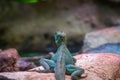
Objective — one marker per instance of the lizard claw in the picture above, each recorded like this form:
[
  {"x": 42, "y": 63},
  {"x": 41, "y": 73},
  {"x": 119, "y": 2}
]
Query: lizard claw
[
  {"x": 37, "y": 69},
  {"x": 83, "y": 75}
]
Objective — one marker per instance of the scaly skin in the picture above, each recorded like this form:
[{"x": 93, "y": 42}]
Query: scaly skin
[
  {"x": 60, "y": 65},
  {"x": 61, "y": 62}
]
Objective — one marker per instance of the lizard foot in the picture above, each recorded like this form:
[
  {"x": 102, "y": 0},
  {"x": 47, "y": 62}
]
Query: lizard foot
[
  {"x": 36, "y": 69},
  {"x": 79, "y": 77},
  {"x": 39, "y": 69},
  {"x": 75, "y": 78}
]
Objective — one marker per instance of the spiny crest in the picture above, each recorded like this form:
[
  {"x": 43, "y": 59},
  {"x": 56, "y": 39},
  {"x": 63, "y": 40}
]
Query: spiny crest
[{"x": 61, "y": 33}]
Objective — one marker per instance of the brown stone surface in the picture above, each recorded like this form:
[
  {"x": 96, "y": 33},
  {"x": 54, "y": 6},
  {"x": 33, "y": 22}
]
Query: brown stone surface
[
  {"x": 31, "y": 76},
  {"x": 105, "y": 66},
  {"x": 97, "y": 67},
  {"x": 5, "y": 78},
  {"x": 8, "y": 59}
]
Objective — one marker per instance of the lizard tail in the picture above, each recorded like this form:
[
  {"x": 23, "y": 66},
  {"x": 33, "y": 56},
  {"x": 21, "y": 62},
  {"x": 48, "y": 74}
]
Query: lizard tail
[{"x": 60, "y": 66}]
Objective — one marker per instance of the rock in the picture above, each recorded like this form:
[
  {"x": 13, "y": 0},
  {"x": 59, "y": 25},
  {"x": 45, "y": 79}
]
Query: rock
[
  {"x": 11, "y": 61},
  {"x": 105, "y": 66},
  {"x": 103, "y": 41},
  {"x": 5, "y": 78},
  {"x": 30, "y": 76},
  {"x": 25, "y": 65},
  {"x": 8, "y": 59}
]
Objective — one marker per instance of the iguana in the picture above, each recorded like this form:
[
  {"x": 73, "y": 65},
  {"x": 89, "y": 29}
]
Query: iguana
[{"x": 61, "y": 62}]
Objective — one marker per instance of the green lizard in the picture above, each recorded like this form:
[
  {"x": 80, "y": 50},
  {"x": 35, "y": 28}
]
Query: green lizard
[{"x": 61, "y": 62}]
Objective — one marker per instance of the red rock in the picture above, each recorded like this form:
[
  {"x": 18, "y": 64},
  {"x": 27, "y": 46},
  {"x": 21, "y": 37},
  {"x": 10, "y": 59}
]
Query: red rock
[
  {"x": 30, "y": 76},
  {"x": 105, "y": 66},
  {"x": 8, "y": 59},
  {"x": 10, "y": 53}
]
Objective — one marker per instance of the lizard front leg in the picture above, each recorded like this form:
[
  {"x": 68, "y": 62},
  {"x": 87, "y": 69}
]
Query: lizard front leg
[{"x": 47, "y": 64}]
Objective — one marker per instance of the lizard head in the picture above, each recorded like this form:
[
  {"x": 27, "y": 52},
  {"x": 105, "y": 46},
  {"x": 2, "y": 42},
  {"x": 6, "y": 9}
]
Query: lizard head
[{"x": 59, "y": 38}]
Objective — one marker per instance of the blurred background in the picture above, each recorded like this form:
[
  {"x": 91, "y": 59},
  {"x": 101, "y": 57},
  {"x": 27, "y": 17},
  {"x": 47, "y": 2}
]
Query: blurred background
[{"x": 29, "y": 27}]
